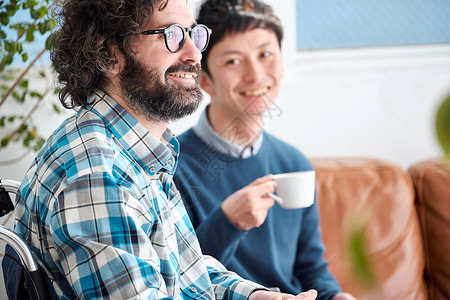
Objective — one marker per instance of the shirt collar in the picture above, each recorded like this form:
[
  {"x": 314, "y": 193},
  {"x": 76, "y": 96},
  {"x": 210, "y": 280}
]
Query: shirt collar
[
  {"x": 152, "y": 154},
  {"x": 206, "y": 133}
]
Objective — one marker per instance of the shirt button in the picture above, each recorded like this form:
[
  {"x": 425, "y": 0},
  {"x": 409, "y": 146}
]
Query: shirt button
[
  {"x": 193, "y": 289},
  {"x": 152, "y": 169},
  {"x": 169, "y": 162}
]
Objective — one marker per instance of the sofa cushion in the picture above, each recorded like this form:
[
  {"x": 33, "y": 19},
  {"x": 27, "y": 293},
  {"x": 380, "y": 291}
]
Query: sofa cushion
[
  {"x": 378, "y": 197},
  {"x": 432, "y": 182}
]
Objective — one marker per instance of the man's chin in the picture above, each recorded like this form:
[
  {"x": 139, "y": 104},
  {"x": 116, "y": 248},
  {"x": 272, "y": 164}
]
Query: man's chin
[{"x": 188, "y": 109}]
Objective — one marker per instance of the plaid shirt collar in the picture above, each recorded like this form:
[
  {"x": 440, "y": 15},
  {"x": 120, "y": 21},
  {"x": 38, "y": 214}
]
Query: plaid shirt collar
[{"x": 153, "y": 155}]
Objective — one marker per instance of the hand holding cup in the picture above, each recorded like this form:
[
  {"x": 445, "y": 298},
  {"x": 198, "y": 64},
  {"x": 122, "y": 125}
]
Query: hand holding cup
[{"x": 294, "y": 189}]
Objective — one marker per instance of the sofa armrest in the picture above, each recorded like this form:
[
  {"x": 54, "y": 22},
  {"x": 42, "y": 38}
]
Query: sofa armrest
[
  {"x": 432, "y": 183},
  {"x": 378, "y": 196}
]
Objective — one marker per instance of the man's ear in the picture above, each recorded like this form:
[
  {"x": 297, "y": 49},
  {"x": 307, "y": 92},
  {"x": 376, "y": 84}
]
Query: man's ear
[
  {"x": 206, "y": 83},
  {"x": 118, "y": 66}
]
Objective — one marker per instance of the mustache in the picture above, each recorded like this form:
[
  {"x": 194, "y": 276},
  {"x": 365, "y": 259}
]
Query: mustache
[{"x": 185, "y": 67}]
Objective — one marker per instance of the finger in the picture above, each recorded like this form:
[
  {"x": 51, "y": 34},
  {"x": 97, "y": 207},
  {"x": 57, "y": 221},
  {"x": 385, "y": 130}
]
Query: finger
[
  {"x": 263, "y": 188},
  {"x": 263, "y": 179},
  {"x": 265, "y": 203},
  {"x": 312, "y": 294},
  {"x": 276, "y": 297}
]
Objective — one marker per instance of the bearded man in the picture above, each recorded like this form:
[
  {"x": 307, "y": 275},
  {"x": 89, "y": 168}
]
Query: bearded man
[{"x": 98, "y": 205}]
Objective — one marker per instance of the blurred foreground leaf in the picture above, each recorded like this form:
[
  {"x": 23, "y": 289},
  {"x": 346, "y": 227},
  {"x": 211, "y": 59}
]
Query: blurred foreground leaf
[
  {"x": 362, "y": 266},
  {"x": 443, "y": 126}
]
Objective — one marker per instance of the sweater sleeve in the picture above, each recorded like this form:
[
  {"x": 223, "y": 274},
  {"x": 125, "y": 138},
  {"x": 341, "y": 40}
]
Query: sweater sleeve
[
  {"x": 310, "y": 267},
  {"x": 218, "y": 237}
]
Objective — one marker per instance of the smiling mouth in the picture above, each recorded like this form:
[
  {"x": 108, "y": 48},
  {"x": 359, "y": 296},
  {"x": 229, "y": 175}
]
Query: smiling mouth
[
  {"x": 183, "y": 75},
  {"x": 257, "y": 92}
]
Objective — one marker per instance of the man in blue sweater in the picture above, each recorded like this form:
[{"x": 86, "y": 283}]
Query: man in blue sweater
[{"x": 226, "y": 161}]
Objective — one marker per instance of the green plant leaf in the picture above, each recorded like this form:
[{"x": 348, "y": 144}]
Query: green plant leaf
[
  {"x": 30, "y": 34},
  {"x": 56, "y": 109},
  {"x": 7, "y": 60},
  {"x": 11, "y": 47},
  {"x": 34, "y": 14},
  {"x": 443, "y": 125},
  {"x": 23, "y": 97},
  {"x": 42, "y": 11},
  {"x": 22, "y": 129},
  {"x": 40, "y": 142},
  {"x": 19, "y": 48},
  {"x": 19, "y": 27},
  {"x": 35, "y": 94},
  {"x": 49, "y": 43},
  {"x": 27, "y": 4},
  {"x": 24, "y": 84},
  {"x": 16, "y": 96},
  {"x": 52, "y": 23},
  {"x": 4, "y": 142},
  {"x": 26, "y": 142},
  {"x": 44, "y": 27},
  {"x": 4, "y": 19}
]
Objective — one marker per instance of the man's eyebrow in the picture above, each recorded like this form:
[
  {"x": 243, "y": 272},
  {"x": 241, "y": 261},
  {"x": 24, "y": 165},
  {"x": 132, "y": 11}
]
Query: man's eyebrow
[
  {"x": 165, "y": 25},
  {"x": 231, "y": 52},
  {"x": 265, "y": 44}
]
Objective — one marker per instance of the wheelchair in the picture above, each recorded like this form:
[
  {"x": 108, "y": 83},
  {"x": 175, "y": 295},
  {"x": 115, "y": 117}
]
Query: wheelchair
[{"x": 26, "y": 278}]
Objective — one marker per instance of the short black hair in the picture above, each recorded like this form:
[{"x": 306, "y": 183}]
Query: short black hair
[{"x": 235, "y": 16}]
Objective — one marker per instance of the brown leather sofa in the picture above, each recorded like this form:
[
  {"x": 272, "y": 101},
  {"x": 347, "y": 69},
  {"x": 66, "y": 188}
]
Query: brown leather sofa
[{"x": 403, "y": 218}]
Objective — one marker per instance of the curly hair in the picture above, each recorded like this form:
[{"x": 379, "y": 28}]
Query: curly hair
[
  {"x": 82, "y": 45},
  {"x": 234, "y": 16}
]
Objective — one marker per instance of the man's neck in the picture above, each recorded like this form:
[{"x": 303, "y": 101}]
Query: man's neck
[
  {"x": 240, "y": 129},
  {"x": 155, "y": 128}
]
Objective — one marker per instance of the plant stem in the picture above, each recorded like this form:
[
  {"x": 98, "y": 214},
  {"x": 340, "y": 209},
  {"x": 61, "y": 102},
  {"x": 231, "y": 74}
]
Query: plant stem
[{"x": 11, "y": 89}]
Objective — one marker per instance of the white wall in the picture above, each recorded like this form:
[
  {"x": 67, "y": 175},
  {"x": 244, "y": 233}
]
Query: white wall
[{"x": 377, "y": 102}]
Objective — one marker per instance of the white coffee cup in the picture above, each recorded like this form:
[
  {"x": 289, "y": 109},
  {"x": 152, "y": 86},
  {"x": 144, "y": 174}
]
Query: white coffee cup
[{"x": 294, "y": 189}]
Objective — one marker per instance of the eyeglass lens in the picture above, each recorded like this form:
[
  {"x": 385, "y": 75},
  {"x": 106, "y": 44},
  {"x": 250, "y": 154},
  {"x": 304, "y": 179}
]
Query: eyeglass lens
[
  {"x": 199, "y": 35},
  {"x": 175, "y": 36}
]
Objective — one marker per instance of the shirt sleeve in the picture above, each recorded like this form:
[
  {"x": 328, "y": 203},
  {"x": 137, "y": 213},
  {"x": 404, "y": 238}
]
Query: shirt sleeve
[
  {"x": 228, "y": 285},
  {"x": 102, "y": 243}
]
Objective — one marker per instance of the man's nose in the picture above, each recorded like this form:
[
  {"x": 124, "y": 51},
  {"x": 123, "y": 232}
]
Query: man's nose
[
  {"x": 254, "y": 71},
  {"x": 189, "y": 52}
]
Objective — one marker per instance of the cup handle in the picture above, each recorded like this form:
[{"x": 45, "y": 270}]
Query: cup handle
[{"x": 276, "y": 198}]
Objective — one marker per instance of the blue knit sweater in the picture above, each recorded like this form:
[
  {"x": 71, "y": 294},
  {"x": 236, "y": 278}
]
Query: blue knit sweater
[{"x": 286, "y": 251}]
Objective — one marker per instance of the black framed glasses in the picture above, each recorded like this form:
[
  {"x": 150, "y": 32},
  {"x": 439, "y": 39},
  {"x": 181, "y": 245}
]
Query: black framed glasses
[{"x": 175, "y": 36}]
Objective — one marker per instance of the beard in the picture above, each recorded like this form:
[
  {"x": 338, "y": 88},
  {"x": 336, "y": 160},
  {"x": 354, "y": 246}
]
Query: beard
[{"x": 158, "y": 101}]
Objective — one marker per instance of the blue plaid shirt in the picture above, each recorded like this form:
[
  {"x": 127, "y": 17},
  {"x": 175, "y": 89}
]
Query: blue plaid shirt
[{"x": 99, "y": 207}]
